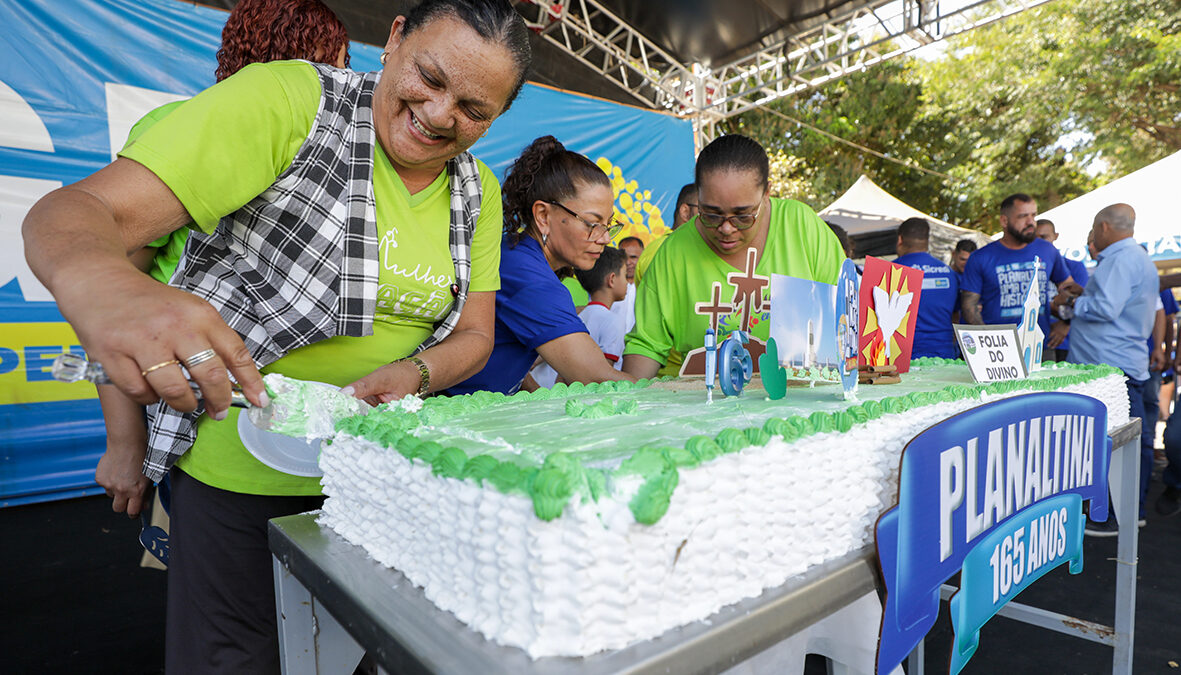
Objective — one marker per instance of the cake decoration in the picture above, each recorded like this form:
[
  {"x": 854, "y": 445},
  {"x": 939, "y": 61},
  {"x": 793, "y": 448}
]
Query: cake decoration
[{"x": 890, "y": 297}]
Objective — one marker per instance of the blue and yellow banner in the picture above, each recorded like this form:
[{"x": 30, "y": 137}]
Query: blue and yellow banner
[
  {"x": 995, "y": 492},
  {"x": 75, "y": 75}
]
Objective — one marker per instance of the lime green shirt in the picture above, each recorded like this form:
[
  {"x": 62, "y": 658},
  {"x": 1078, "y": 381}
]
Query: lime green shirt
[
  {"x": 682, "y": 273},
  {"x": 647, "y": 255},
  {"x": 227, "y": 145},
  {"x": 170, "y": 247},
  {"x": 577, "y": 293}
]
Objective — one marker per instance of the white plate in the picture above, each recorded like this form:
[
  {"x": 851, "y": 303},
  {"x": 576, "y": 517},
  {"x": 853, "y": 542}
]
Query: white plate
[{"x": 290, "y": 455}]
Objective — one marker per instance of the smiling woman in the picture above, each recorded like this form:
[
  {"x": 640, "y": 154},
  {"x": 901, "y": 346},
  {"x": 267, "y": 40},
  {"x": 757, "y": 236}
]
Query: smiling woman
[
  {"x": 293, "y": 173},
  {"x": 559, "y": 214},
  {"x": 740, "y": 235}
]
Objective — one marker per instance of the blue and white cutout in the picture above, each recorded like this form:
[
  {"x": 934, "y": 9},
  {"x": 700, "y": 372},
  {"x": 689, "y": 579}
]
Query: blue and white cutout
[{"x": 1029, "y": 333}]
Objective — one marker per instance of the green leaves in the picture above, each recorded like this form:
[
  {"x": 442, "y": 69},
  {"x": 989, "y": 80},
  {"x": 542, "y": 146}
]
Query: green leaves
[{"x": 1035, "y": 103}]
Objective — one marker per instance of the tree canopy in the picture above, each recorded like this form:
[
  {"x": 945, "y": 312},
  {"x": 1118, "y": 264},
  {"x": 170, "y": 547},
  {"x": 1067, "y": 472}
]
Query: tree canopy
[{"x": 1053, "y": 101}]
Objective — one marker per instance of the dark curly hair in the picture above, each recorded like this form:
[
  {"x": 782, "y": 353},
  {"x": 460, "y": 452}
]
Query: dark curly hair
[
  {"x": 546, "y": 171},
  {"x": 494, "y": 20},
  {"x": 258, "y": 31}
]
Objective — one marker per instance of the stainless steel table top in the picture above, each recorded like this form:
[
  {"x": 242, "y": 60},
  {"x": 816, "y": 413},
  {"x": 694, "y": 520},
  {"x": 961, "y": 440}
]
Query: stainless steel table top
[{"x": 405, "y": 632}]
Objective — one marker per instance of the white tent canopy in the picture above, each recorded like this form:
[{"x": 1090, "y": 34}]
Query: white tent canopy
[
  {"x": 1152, "y": 192},
  {"x": 871, "y": 217}
]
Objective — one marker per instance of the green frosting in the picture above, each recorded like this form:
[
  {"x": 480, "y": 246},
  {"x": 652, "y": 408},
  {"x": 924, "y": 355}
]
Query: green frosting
[
  {"x": 604, "y": 408},
  {"x": 554, "y": 478},
  {"x": 732, "y": 440}
]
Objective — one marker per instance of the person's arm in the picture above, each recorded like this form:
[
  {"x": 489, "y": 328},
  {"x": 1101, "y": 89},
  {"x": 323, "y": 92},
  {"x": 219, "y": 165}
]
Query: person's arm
[
  {"x": 970, "y": 307},
  {"x": 1156, "y": 358},
  {"x": 120, "y": 469},
  {"x": 459, "y": 356},
  {"x": 641, "y": 367},
  {"x": 77, "y": 240},
  {"x": 577, "y": 358},
  {"x": 1058, "y": 332}
]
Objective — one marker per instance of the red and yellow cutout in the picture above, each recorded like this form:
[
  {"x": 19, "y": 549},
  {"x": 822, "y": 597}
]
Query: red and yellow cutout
[{"x": 889, "y": 308}]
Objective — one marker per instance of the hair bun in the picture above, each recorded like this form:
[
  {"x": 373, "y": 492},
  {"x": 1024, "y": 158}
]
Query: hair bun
[{"x": 545, "y": 146}]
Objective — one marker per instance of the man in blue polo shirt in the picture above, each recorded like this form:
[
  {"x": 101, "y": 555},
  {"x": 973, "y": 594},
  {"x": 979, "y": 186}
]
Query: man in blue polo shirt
[
  {"x": 1113, "y": 318},
  {"x": 998, "y": 275},
  {"x": 933, "y": 335},
  {"x": 1058, "y": 339}
]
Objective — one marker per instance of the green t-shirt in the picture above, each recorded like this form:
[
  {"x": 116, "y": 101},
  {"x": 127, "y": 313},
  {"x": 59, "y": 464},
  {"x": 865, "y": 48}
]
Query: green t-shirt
[
  {"x": 227, "y": 145},
  {"x": 647, "y": 255},
  {"x": 577, "y": 293},
  {"x": 170, "y": 247},
  {"x": 684, "y": 269}
]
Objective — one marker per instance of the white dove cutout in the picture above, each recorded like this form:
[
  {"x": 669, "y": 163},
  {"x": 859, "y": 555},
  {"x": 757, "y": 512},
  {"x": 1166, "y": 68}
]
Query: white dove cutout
[{"x": 891, "y": 309}]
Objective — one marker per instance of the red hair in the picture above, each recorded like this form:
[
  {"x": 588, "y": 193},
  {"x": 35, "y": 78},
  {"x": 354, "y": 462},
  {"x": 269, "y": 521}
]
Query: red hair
[{"x": 258, "y": 31}]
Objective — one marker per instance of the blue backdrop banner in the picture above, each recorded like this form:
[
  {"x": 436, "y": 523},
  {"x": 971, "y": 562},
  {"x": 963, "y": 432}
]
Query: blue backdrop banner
[{"x": 75, "y": 75}]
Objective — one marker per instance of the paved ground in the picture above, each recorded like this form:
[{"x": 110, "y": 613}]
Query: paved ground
[{"x": 75, "y": 600}]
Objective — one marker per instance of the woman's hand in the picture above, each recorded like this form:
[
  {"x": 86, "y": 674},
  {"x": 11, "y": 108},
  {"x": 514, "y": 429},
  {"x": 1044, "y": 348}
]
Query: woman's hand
[
  {"x": 462, "y": 354},
  {"x": 577, "y": 358},
  {"x": 120, "y": 473},
  {"x": 388, "y": 383},
  {"x": 77, "y": 240},
  {"x": 134, "y": 325}
]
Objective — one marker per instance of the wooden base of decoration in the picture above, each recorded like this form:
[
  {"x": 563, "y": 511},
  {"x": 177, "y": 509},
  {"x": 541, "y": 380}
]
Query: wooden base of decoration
[{"x": 886, "y": 374}]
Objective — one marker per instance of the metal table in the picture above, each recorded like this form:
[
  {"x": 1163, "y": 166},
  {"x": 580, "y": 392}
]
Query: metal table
[{"x": 336, "y": 603}]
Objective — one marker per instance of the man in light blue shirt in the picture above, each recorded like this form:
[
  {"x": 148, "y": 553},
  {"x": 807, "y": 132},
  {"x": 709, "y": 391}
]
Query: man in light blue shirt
[{"x": 1113, "y": 318}]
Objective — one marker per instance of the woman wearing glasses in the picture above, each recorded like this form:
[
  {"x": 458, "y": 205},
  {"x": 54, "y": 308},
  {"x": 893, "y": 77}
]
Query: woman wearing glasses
[
  {"x": 558, "y": 214},
  {"x": 675, "y": 301}
]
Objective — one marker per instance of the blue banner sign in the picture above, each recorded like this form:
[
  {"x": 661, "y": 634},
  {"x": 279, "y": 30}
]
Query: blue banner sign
[
  {"x": 75, "y": 75},
  {"x": 996, "y": 492}
]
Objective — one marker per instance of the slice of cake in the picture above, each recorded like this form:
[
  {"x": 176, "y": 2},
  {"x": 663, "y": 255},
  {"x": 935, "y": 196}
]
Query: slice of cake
[{"x": 584, "y": 518}]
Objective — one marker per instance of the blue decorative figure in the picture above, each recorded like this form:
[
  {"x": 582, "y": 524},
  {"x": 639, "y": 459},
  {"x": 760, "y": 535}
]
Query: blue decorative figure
[
  {"x": 736, "y": 367},
  {"x": 711, "y": 363}
]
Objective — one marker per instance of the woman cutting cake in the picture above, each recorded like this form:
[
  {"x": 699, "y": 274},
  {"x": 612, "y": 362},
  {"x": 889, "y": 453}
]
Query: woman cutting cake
[
  {"x": 347, "y": 236},
  {"x": 714, "y": 272},
  {"x": 558, "y": 214}
]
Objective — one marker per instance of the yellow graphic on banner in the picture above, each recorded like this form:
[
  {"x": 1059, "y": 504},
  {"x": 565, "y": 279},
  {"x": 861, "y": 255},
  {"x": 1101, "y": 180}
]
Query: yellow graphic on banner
[
  {"x": 27, "y": 351},
  {"x": 633, "y": 207}
]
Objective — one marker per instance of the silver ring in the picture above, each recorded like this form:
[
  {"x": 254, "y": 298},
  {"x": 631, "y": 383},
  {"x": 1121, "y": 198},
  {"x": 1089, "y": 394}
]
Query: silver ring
[{"x": 199, "y": 358}]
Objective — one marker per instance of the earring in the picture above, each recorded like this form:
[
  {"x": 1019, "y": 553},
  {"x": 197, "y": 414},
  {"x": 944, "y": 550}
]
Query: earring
[
  {"x": 384, "y": 56},
  {"x": 544, "y": 238}
]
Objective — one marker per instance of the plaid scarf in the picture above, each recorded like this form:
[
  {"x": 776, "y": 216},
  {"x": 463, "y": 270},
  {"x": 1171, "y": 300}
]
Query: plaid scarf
[{"x": 299, "y": 263}]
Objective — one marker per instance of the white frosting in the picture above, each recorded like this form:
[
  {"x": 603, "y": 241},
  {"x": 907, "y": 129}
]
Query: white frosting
[{"x": 594, "y": 579}]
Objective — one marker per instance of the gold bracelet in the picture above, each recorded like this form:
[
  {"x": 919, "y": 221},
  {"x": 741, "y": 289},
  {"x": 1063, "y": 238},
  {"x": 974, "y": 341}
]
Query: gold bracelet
[{"x": 424, "y": 375}]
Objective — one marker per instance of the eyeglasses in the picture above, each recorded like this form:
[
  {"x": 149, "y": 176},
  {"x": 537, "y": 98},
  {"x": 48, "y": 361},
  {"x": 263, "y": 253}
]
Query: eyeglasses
[
  {"x": 594, "y": 230},
  {"x": 740, "y": 222}
]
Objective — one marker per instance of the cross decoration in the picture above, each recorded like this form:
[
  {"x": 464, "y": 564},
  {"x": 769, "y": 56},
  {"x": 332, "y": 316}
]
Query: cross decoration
[
  {"x": 714, "y": 309},
  {"x": 748, "y": 288}
]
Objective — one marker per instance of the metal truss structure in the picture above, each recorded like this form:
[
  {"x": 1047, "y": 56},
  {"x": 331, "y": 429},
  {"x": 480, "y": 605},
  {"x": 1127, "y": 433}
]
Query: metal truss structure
[{"x": 873, "y": 32}]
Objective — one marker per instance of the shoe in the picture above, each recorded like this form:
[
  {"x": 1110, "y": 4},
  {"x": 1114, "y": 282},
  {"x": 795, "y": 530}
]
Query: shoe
[
  {"x": 1169, "y": 503},
  {"x": 1107, "y": 528}
]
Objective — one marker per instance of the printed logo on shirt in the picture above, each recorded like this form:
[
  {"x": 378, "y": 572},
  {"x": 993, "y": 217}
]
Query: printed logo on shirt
[
  {"x": 1013, "y": 280},
  {"x": 930, "y": 283},
  {"x": 405, "y": 300}
]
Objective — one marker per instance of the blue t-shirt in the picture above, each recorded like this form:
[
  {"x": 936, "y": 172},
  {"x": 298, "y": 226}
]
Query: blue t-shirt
[
  {"x": 532, "y": 308},
  {"x": 1170, "y": 306},
  {"x": 933, "y": 335},
  {"x": 1078, "y": 272},
  {"x": 1002, "y": 276}
]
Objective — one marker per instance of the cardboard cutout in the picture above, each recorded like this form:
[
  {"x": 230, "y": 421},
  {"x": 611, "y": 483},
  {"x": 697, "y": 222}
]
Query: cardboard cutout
[{"x": 889, "y": 308}]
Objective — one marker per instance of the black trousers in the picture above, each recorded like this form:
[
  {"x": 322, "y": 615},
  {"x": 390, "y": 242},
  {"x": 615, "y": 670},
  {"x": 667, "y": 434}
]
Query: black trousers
[{"x": 221, "y": 590}]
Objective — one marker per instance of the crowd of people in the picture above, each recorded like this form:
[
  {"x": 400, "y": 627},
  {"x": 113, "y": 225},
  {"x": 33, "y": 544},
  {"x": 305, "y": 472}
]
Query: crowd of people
[
  {"x": 332, "y": 226},
  {"x": 1115, "y": 314}
]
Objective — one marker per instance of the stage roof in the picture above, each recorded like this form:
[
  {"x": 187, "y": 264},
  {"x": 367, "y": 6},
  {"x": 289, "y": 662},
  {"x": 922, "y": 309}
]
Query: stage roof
[{"x": 708, "y": 59}]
